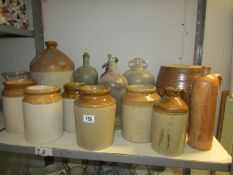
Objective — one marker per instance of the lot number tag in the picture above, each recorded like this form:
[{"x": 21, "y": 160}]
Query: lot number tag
[
  {"x": 88, "y": 118},
  {"x": 43, "y": 151}
]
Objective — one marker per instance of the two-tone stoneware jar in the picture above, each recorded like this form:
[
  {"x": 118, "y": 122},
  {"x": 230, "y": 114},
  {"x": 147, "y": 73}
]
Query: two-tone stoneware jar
[
  {"x": 169, "y": 123},
  {"x": 94, "y": 117},
  {"x": 12, "y": 96},
  {"x": 52, "y": 67},
  {"x": 137, "y": 107},
  {"x": 69, "y": 95},
  {"x": 43, "y": 113}
]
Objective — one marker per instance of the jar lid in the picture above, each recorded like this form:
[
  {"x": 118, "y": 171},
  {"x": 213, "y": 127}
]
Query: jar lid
[
  {"x": 19, "y": 82},
  {"x": 73, "y": 86},
  {"x": 141, "y": 88},
  {"x": 94, "y": 90},
  {"x": 41, "y": 89}
]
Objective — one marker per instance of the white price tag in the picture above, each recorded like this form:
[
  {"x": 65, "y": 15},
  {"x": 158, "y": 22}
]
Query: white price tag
[
  {"x": 88, "y": 118},
  {"x": 43, "y": 151}
]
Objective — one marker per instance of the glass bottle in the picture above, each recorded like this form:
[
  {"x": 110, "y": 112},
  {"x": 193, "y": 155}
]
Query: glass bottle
[
  {"x": 169, "y": 123},
  {"x": 138, "y": 73},
  {"x": 86, "y": 74},
  {"x": 117, "y": 83}
]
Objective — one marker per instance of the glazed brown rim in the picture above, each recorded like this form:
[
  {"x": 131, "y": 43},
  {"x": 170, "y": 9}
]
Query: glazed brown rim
[
  {"x": 41, "y": 89},
  {"x": 73, "y": 86},
  {"x": 94, "y": 90},
  {"x": 19, "y": 82},
  {"x": 184, "y": 66},
  {"x": 141, "y": 88}
]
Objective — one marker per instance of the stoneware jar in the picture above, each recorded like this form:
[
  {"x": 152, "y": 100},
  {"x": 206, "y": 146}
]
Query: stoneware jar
[
  {"x": 137, "y": 107},
  {"x": 43, "y": 113},
  {"x": 69, "y": 95},
  {"x": 86, "y": 73},
  {"x": 52, "y": 67},
  {"x": 203, "y": 109},
  {"x": 169, "y": 123},
  {"x": 12, "y": 96},
  {"x": 94, "y": 117},
  {"x": 117, "y": 83},
  {"x": 138, "y": 74}
]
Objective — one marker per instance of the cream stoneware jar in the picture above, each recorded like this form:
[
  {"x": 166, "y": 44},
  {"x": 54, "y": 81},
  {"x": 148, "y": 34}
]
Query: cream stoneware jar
[
  {"x": 12, "y": 96},
  {"x": 43, "y": 113},
  {"x": 94, "y": 117}
]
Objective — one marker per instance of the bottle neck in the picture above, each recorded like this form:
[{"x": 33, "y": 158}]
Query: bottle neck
[
  {"x": 206, "y": 70},
  {"x": 112, "y": 67},
  {"x": 86, "y": 61}
]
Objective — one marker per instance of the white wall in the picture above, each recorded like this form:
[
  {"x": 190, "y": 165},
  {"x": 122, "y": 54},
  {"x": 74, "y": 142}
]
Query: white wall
[
  {"x": 151, "y": 29},
  {"x": 218, "y": 38}
]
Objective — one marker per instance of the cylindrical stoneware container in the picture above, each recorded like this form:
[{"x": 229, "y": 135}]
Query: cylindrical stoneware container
[
  {"x": 178, "y": 76},
  {"x": 43, "y": 113},
  {"x": 12, "y": 96},
  {"x": 137, "y": 107},
  {"x": 94, "y": 117},
  {"x": 169, "y": 124},
  {"x": 203, "y": 109},
  {"x": 69, "y": 95}
]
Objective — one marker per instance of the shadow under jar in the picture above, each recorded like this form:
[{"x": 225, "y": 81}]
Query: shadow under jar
[
  {"x": 43, "y": 113},
  {"x": 94, "y": 117}
]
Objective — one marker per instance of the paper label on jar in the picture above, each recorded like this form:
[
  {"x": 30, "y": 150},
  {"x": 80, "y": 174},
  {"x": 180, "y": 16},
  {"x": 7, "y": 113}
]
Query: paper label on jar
[{"x": 88, "y": 118}]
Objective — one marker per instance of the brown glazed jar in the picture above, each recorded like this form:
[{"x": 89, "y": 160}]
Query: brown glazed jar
[
  {"x": 12, "y": 96},
  {"x": 52, "y": 67},
  {"x": 94, "y": 117},
  {"x": 169, "y": 123},
  {"x": 43, "y": 113},
  {"x": 137, "y": 107},
  {"x": 203, "y": 109},
  {"x": 69, "y": 95}
]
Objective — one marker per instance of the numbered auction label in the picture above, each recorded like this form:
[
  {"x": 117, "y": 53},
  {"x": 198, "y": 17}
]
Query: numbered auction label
[
  {"x": 88, "y": 118},
  {"x": 43, "y": 151}
]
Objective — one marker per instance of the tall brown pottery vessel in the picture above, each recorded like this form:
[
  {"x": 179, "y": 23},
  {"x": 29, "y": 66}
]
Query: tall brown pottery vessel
[{"x": 203, "y": 109}]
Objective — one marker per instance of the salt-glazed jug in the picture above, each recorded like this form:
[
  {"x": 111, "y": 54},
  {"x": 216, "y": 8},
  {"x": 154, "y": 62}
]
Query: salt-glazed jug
[
  {"x": 117, "y": 83},
  {"x": 86, "y": 73},
  {"x": 137, "y": 107},
  {"x": 12, "y": 101},
  {"x": 43, "y": 113},
  {"x": 71, "y": 92},
  {"x": 52, "y": 67},
  {"x": 138, "y": 74},
  {"x": 94, "y": 117},
  {"x": 169, "y": 123},
  {"x": 203, "y": 109}
]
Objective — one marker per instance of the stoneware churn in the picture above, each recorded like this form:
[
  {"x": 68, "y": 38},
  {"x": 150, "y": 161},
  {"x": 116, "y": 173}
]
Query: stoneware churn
[
  {"x": 52, "y": 67},
  {"x": 86, "y": 73},
  {"x": 43, "y": 113},
  {"x": 117, "y": 83},
  {"x": 138, "y": 74},
  {"x": 12, "y": 96},
  {"x": 169, "y": 123},
  {"x": 69, "y": 95},
  {"x": 137, "y": 107},
  {"x": 203, "y": 109},
  {"x": 94, "y": 117}
]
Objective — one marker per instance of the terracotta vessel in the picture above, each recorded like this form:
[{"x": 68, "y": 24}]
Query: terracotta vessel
[
  {"x": 94, "y": 117},
  {"x": 169, "y": 124},
  {"x": 138, "y": 73},
  {"x": 117, "y": 83},
  {"x": 203, "y": 109},
  {"x": 86, "y": 74},
  {"x": 52, "y": 67},
  {"x": 137, "y": 107},
  {"x": 177, "y": 76},
  {"x": 43, "y": 113},
  {"x": 69, "y": 95},
  {"x": 12, "y": 96}
]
